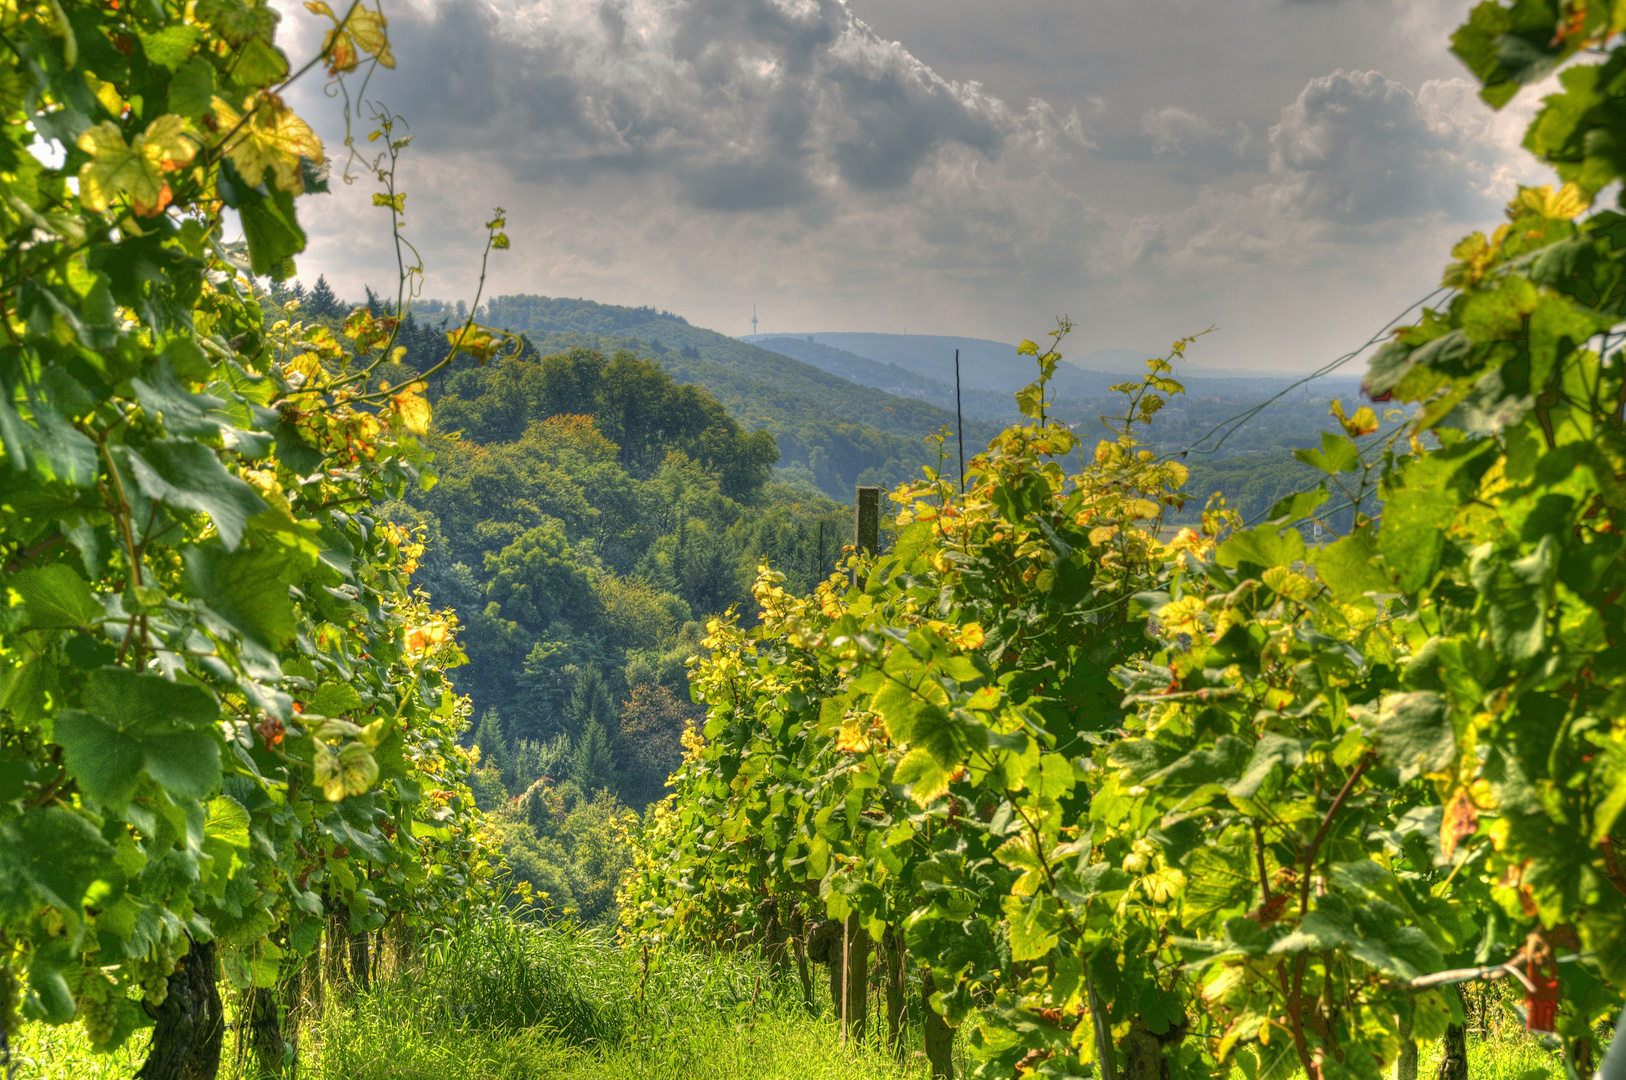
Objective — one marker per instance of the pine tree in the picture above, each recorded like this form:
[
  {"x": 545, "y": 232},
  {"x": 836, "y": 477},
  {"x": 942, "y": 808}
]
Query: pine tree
[
  {"x": 323, "y": 304},
  {"x": 590, "y": 766},
  {"x": 493, "y": 747},
  {"x": 590, "y": 701}
]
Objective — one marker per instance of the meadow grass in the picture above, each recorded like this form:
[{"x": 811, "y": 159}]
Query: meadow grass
[{"x": 506, "y": 1000}]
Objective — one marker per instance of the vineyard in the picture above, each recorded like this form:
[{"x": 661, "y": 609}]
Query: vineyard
[
  {"x": 1049, "y": 786},
  {"x": 1141, "y": 808}
]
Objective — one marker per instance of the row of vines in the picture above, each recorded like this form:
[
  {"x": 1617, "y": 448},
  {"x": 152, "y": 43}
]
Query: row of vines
[
  {"x": 1143, "y": 805},
  {"x": 224, "y": 715}
]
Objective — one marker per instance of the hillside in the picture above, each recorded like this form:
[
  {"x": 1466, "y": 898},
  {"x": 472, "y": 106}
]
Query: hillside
[
  {"x": 903, "y": 360},
  {"x": 984, "y": 365},
  {"x": 839, "y": 431}
]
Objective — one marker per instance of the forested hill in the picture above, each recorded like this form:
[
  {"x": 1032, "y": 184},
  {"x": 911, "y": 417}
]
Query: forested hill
[{"x": 840, "y": 432}]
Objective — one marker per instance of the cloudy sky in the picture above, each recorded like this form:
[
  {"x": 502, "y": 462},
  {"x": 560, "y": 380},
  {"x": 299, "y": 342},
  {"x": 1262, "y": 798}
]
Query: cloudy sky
[{"x": 1292, "y": 171}]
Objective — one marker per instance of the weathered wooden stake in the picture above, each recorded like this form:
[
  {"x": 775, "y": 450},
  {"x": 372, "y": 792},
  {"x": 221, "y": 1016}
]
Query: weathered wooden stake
[
  {"x": 938, "y": 1036},
  {"x": 854, "y": 979},
  {"x": 897, "y": 987},
  {"x": 867, "y": 525}
]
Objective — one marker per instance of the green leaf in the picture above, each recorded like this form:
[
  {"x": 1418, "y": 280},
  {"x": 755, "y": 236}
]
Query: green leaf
[
  {"x": 1558, "y": 327},
  {"x": 1348, "y": 567},
  {"x": 335, "y": 699},
  {"x": 1337, "y": 454},
  {"x": 54, "y": 596},
  {"x": 49, "y": 446},
  {"x": 923, "y": 775},
  {"x": 228, "y": 821},
  {"x": 270, "y": 224},
  {"x": 1498, "y": 314},
  {"x": 1516, "y": 593},
  {"x": 192, "y": 89},
  {"x": 140, "y": 723},
  {"x": 1204, "y": 765},
  {"x": 1263, "y": 548},
  {"x": 168, "y": 48},
  {"x": 1411, "y": 538},
  {"x": 1414, "y": 734},
  {"x": 247, "y": 588},
  {"x": 182, "y": 412},
  {"x": 1371, "y": 933},
  {"x": 1296, "y": 507},
  {"x": 1271, "y": 750},
  {"x": 936, "y": 732},
  {"x": 63, "y": 857},
  {"x": 187, "y": 474},
  {"x": 56, "y": 1003},
  {"x": 1034, "y": 922},
  {"x": 345, "y": 772}
]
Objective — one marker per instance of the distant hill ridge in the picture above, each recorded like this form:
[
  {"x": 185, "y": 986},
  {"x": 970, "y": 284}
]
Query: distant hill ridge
[
  {"x": 996, "y": 364},
  {"x": 840, "y": 431}
]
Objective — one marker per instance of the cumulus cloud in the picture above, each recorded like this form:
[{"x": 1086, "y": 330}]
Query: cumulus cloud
[
  {"x": 743, "y": 104},
  {"x": 1358, "y": 148},
  {"x": 702, "y": 154},
  {"x": 1357, "y": 157}
]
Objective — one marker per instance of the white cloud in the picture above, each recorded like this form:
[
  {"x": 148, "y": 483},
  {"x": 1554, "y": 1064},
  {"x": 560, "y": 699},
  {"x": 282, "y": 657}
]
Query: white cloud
[
  {"x": 701, "y": 154},
  {"x": 1175, "y": 131}
]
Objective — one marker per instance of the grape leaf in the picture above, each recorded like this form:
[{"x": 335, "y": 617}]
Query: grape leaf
[
  {"x": 139, "y": 723},
  {"x": 54, "y": 596},
  {"x": 187, "y": 474},
  {"x": 134, "y": 169}
]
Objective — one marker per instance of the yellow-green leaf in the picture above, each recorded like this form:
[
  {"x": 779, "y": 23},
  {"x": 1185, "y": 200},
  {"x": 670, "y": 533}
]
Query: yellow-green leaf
[{"x": 137, "y": 169}]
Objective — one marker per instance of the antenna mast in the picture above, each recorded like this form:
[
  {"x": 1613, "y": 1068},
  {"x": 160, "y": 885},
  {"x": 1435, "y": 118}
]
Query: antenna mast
[
  {"x": 959, "y": 419},
  {"x": 753, "y": 320}
]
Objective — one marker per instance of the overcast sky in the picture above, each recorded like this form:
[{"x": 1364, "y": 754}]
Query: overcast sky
[{"x": 1292, "y": 171}]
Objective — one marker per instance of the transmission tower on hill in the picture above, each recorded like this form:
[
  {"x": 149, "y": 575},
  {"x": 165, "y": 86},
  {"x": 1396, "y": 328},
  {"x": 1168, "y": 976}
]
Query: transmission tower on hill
[{"x": 753, "y": 320}]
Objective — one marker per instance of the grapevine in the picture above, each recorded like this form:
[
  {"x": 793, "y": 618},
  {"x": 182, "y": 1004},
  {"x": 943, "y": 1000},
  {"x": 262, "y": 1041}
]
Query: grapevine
[
  {"x": 1162, "y": 805},
  {"x": 224, "y": 711}
]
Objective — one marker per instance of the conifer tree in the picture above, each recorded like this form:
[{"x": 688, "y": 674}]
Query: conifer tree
[
  {"x": 590, "y": 766},
  {"x": 590, "y": 702},
  {"x": 493, "y": 747},
  {"x": 323, "y": 303}
]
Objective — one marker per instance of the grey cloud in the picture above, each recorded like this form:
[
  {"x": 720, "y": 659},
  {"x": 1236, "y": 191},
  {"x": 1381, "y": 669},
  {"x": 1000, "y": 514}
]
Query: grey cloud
[
  {"x": 1178, "y": 132},
  {"x": 703, "y": 155},
  {"x": 744, "y": 104},
  {"x": 1197, "y": 148},
  {"x": 1359, "y": 148}
]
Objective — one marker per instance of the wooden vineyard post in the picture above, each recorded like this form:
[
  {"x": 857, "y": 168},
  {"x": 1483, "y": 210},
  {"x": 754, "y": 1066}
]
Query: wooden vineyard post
[
  {"x": 854, "y": 979},
  {"x": 867, "y": 524},
  {"x": 897, "y": 987},
  {"x": 360, "y": 961},
  {"x": 938, "y": 1036},
  {"x": 797, "y": 926},
  {"x": 773, "y": 935}
]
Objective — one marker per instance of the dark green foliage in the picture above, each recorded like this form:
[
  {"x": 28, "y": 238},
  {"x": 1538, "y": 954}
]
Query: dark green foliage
[
  {"x": 633, "y": 402},
  {"x": 590, "y": 766},
  {"x": 842, "y": 433},
  {"x": 567, "y": 558},
  {"x": 322, "y": 303}
]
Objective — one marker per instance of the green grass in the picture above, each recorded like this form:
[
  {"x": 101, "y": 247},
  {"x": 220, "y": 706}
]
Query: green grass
[{"x": 508, "y": 1001}]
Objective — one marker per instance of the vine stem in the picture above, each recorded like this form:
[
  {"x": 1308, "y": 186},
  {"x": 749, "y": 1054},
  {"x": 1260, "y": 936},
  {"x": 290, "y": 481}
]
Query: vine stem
[
  {"x": 1264, "y": 877},
  {"x": 1326, "y": 824}
]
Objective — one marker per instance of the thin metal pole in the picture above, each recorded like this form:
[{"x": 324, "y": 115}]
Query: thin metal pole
[{"x": 959, "y": 419}]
